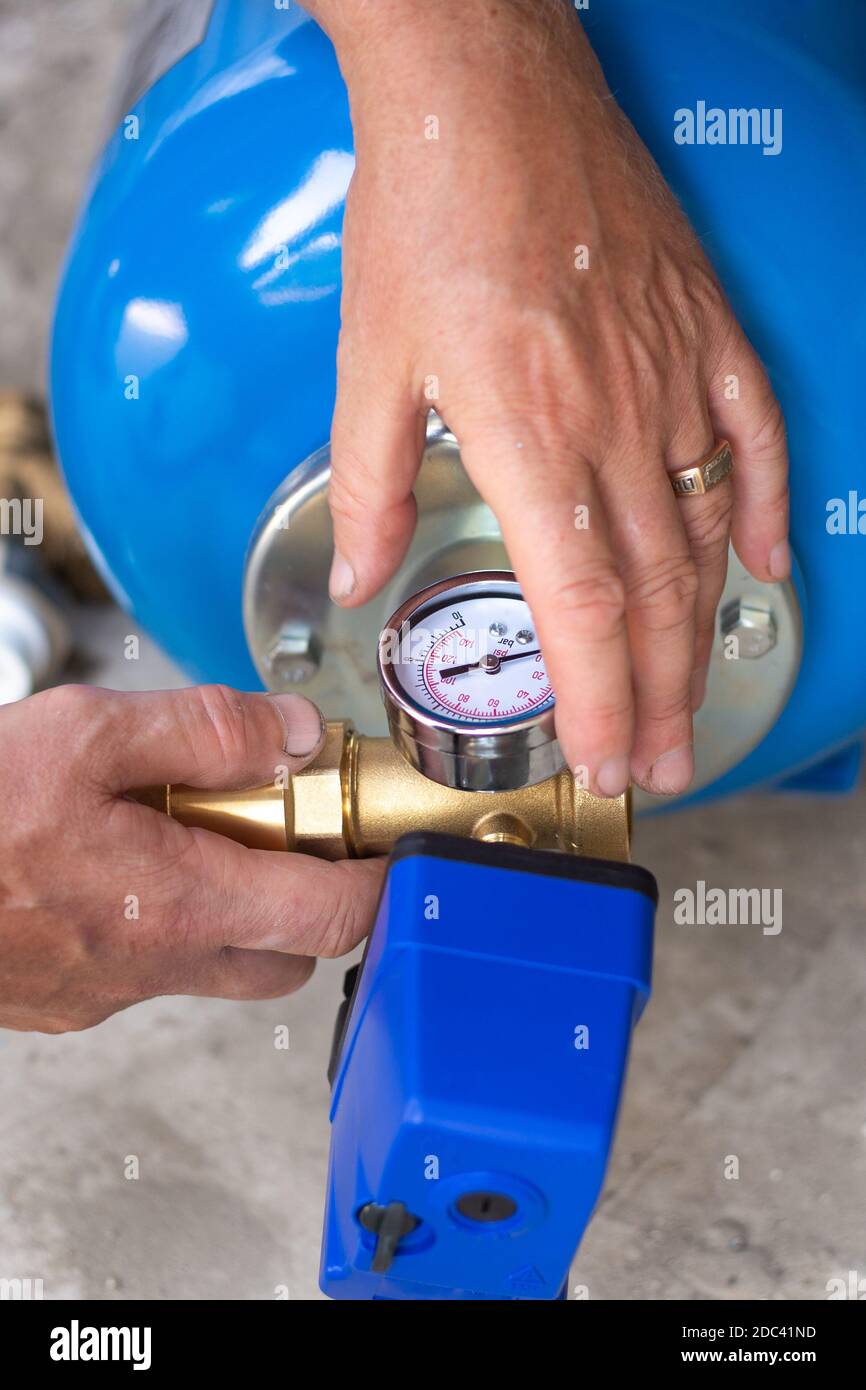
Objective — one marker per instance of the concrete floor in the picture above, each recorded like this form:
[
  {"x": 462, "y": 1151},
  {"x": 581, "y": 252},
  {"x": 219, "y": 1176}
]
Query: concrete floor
[{"x": 753, "y": 1045}]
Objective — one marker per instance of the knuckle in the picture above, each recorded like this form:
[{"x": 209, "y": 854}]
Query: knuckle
[
  {"x": 79, "y": 704},
  {"x": 89, "y": 719},
  {"x": 336, "y": 932},
  {"x": 345, "y": 497},
  {"x": 665, "y": 589},
  {"x": 339, "y": 924},
  {"x": 709, "y": 528},
  {"x": 696, "y": 302},
  {"x": 662, "y": 708},
  {"x": 173, "y": 879},
  {"x": 594, "y": 599},
  {"x": 607, "y": 715},
  {"x": 768, "y": 435},
  {"x": 218, "y": 725}
]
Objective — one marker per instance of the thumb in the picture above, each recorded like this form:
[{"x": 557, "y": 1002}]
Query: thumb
[
  {"x": 376, "y": 447},
  {"x": 205, "y": 736}
]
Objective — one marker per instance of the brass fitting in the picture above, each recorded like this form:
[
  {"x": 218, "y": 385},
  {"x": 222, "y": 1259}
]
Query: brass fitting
[{"x": 360, "y": 795}]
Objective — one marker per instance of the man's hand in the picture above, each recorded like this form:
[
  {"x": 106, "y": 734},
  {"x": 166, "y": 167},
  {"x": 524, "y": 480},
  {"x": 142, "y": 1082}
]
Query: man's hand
[
  {"x": 105, "y": 902},
  {"x": 513, "y": 257}
]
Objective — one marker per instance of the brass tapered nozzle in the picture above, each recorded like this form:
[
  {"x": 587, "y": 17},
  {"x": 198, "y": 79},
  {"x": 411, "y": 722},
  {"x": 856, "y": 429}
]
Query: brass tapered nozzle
[{"x": 360, "y": 796}]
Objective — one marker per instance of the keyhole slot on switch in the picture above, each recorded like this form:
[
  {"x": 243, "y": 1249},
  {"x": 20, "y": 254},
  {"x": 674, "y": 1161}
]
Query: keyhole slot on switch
[{"x": 486, "y": 1207}]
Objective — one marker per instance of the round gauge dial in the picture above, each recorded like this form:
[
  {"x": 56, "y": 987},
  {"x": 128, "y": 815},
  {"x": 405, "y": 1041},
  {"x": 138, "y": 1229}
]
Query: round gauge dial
[
  {"x": 461, "y": 663},
  {"x": 475, "y": 658}
]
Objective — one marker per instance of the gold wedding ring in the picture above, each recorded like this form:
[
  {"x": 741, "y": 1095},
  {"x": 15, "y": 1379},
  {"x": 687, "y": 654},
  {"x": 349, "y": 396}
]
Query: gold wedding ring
[{"x": 705, "y": 475}]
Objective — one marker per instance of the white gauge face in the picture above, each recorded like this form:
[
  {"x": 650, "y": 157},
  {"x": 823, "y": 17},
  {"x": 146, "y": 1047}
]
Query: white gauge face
[{"x": 471, "y": 655}]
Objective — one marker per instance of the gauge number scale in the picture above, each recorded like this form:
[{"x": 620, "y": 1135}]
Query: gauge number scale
[{"x": 477, "y": 661}]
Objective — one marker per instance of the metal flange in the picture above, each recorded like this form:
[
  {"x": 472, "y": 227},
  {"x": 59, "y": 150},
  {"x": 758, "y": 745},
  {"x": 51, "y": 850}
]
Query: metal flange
[{"x": 298, "y": 639}]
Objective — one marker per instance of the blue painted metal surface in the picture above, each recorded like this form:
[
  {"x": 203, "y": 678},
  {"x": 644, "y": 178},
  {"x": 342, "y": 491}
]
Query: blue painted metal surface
[
  {"x": 175, "y": 277},
  {"x": 462, "y": 1068},
  {"x": 840, "y": 772}
]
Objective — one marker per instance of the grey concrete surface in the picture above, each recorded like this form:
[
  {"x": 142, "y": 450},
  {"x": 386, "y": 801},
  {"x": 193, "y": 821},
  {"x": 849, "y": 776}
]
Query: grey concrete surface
[
  {"x": 58, "y": 60},
  {"x": 753, "y": 1047}
]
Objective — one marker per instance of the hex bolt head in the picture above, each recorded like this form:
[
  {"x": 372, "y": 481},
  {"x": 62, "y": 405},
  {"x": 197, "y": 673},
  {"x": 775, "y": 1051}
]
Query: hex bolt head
[
  {"x": 293, "y": 657},
  {"x": 753, "y": 623}
]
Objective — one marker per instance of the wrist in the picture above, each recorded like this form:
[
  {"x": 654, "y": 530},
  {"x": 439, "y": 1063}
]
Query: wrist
[
  {"x": 355, "y": 24},
  {"x": 372, "y": 33}
]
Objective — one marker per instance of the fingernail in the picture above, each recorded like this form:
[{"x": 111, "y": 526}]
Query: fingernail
[
  {"x": 342, "y": 580},
  {"x": 673, "y": 771},
  {"x": 780, "y": 560},
  {"x": 613, "y": 777},
  {"x": 303, "y": 724},
  {"x": 699, "y": 688}
]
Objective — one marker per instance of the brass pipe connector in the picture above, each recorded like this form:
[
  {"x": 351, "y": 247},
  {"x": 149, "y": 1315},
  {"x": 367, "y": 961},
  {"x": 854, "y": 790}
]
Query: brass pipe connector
[{"x": 360, "y": 795}]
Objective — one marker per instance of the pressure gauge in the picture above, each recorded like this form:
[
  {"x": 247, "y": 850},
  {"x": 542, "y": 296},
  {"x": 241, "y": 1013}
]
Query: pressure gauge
[{"x": 466, "y": 690}]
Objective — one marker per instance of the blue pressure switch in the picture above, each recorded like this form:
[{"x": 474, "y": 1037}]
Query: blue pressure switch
[{"x": 477, "y": 1070}]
